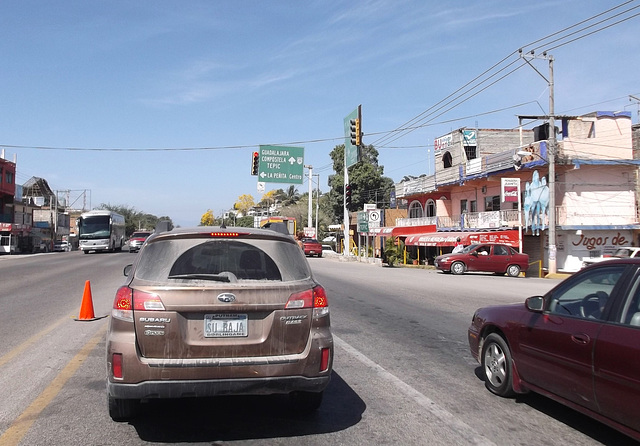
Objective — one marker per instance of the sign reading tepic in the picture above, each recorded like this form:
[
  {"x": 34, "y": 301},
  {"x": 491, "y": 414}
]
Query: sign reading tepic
[{"x": 281, "y": 164}]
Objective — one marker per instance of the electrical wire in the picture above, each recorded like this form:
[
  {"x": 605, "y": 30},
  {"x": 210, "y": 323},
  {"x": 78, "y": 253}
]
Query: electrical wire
[{"x": 450, "y": 102}]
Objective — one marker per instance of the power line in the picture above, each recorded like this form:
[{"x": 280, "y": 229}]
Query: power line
[
  {"x": 450, "y": 102},
  {"x": 401, "y": 131}
]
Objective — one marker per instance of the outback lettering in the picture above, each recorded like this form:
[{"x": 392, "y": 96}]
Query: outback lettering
[{"x": 293, "y": 318}]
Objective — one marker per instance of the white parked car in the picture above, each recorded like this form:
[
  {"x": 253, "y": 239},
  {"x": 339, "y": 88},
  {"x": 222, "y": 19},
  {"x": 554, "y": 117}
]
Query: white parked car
[
  {"x": 621, "y": 253},
  {"x": 61, "y": 247}
]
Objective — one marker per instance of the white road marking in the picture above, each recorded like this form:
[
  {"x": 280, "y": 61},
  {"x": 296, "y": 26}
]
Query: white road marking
[{"x": 466, "y": 431}]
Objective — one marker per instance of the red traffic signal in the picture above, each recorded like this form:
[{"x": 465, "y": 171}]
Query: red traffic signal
[
  {"x": 347, "y": 196},
  {"x": 255, "y": 163}
]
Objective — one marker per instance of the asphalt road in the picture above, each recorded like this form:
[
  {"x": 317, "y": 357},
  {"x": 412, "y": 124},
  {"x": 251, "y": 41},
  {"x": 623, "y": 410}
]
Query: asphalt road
[{"x": 403, "y": 373}]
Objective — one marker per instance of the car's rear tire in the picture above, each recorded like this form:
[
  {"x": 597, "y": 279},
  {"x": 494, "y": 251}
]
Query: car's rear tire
[
  {"x": 305, "y": 401},
  {"x": 123, "y": 410},
  {"x": 457, "y": 268},
  {"x": 513, "y": 270},
  {"x": 496, "y": 366}
]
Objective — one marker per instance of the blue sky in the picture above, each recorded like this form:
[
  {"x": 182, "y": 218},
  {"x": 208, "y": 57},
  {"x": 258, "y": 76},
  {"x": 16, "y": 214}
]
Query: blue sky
[{"x": 158, "y": 105}]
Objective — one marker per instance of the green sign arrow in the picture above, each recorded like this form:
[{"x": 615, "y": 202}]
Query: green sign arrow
[{"x": 281, "y": 164}]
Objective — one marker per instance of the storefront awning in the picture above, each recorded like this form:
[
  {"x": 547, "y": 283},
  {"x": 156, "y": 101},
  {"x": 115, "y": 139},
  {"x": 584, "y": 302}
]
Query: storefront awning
[
  {"x": 404, "y": 231},
  {"x": 401, "y": 231},
  {"x": 508, "y": 237}
]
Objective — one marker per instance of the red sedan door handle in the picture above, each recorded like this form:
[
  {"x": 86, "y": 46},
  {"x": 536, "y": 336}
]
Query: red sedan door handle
[{"x": 581, "y": 338}]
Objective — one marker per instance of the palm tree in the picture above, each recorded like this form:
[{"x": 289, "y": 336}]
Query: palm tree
[{"x": 291, "y": 196}]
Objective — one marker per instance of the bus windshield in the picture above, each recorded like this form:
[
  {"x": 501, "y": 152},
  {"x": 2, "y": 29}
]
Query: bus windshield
[{"x": 95, "y": 227}]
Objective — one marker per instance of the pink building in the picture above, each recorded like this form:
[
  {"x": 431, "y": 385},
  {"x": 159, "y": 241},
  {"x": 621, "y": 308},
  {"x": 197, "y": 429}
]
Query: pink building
[{"x": 595, "y": 189}]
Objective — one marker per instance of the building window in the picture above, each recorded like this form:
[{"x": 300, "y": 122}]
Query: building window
[
  {"x": 415, "y": 210},
  {"x": 471, "y": 152},
  {"x": 474, "y": 206},
  {"x": 9, "y": 177},
  {"x": 447, "y": 161},
  {"x": 492, "y": 203},
  {"x": 463, "y": 207},
  {"x": 430, "y": 208}
]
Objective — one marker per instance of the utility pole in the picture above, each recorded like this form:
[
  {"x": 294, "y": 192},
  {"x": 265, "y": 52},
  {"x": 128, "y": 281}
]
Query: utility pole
[
  {"x": 552, "y": 249},
  {"x": 309, "y": 214},
  {"x": 633, "y": 98},
  {"x": 552, "y": 173},
  {"x": 317, "y": 201}
]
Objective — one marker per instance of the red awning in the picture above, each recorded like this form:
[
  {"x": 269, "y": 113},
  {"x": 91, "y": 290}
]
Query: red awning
[
  {"x": 508, "y": 237},
  {"x": 404, "y": 231}
]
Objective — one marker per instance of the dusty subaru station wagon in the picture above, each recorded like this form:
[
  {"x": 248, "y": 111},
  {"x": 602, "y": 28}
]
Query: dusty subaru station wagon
[{"x": 215, "y": 311}]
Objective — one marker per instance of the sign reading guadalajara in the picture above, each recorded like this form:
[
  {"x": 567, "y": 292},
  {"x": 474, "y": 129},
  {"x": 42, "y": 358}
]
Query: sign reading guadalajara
[{"x": 281, "y": 164}]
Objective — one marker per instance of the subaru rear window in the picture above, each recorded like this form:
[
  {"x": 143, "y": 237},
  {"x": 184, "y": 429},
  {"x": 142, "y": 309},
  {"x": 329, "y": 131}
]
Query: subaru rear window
[{"x": 194, "y": 259}]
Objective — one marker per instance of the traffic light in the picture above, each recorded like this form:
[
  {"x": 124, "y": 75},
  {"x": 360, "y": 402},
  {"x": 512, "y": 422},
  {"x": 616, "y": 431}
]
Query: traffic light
[
  {"x": 354, "y": 129},
  {"x": 255, "y": 161},
  {"x": 347, "y": 196},
  {"x": 358, "y": 133}
]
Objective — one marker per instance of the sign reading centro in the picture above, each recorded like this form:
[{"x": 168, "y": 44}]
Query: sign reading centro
[{"x": 281, "y": 164}]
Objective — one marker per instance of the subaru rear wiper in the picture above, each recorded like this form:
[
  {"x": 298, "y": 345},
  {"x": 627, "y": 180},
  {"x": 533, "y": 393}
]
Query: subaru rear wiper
[{"x": 223, "y": 277}]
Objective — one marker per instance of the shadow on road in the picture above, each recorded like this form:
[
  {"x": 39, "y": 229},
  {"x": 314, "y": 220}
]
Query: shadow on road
[{"x": 247, "y": 417}]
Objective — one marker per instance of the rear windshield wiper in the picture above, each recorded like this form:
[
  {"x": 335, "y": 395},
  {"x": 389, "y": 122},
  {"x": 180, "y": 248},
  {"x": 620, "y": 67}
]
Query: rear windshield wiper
[{"x": 222, "y": 277}]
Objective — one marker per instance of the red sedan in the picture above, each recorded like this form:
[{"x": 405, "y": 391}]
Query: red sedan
[
  {"x": 579, "y": 344},
  {"x": 487, "y": 257},
  {"x": 312, "y": 247}
]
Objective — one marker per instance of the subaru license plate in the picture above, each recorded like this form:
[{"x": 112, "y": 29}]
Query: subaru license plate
[{"x": 225, "y": 325}]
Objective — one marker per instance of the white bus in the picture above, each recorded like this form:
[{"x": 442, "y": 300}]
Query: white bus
[{"x": 100, "y": 231}]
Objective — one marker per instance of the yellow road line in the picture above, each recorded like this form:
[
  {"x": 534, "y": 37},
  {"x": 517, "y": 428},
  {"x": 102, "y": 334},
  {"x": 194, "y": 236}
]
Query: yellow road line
[
  {"x": 14, "y": 434},
  {"x": 32, "y": 340}
]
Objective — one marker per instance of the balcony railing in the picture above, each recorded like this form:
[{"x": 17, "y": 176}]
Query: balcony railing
[
  {"x": 508, "y": 218},
  {"x": 471, "y": 221},
  {"x": 471, "y": 169}
]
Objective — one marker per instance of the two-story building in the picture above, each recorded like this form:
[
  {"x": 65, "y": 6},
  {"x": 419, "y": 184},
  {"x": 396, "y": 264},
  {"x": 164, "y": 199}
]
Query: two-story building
[
  {"x": 7, "y": 192},
  {"x": 595, "y": 190}
]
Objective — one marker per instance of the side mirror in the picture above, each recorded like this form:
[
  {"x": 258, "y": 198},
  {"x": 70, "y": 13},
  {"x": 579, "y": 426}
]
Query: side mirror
[
  {"x": 474, "y": 253},
  {"x": 535, "y": 303},
  {"x": 127, "y": 269}
]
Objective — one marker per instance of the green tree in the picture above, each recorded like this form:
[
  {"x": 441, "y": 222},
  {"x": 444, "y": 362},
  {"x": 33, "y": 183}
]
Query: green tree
[
  {"x": 244, "y": 222},
  {"x": 393, "y": 249},
  {"x": 290, "y": 196},
  {"x": 368, "y": 184},
  {"x": 135, "y": 220}
]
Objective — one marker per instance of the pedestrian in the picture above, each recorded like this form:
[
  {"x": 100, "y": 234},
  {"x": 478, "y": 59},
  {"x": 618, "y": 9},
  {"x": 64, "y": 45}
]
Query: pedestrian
[
  {"x": 459, "y": 246},
  {"x": 299, "y": 236}
]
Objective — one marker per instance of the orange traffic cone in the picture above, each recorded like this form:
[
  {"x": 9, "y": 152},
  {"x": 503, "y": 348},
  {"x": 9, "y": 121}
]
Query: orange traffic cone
[{"x": 86, "y": 309}]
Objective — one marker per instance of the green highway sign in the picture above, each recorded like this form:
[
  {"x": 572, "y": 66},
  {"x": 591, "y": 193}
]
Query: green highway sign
[
  {"x": 363, "y": 222},
  {"x": 281, "y": 164}
]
